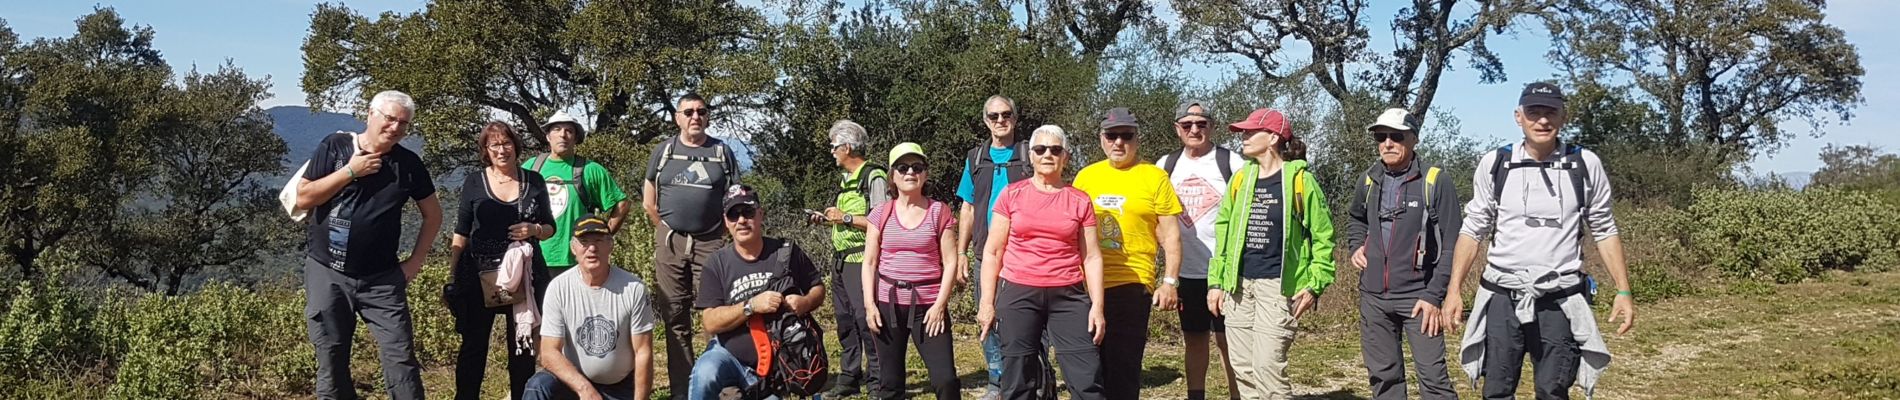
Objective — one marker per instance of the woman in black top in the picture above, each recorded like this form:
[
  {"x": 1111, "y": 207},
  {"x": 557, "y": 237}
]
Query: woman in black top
[{"x": 502, "y": 203}]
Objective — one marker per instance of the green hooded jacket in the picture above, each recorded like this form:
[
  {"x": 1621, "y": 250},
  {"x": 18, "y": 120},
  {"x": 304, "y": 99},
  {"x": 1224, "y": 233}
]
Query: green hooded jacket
[{"x": 1308, "y": 260}]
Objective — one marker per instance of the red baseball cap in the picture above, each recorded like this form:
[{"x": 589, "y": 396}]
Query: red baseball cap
[{"x": 1265, "y": 119}]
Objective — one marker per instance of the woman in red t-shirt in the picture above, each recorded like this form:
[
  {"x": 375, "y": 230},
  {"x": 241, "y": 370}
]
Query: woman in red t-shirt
[
  {"x": 905, "y": 247},
  {"x": 1042, "y": 245}
]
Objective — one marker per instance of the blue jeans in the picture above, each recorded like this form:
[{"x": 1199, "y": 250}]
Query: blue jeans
[
  {"x": 717, "y": 370},
  {"x": 545, "y": 386},
  {"x": 992, "y": 346}
]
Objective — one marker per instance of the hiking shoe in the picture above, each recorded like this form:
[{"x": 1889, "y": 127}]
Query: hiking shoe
[
  {"x": 841, "y": 391},
  {"x": 992, "y": 393}
]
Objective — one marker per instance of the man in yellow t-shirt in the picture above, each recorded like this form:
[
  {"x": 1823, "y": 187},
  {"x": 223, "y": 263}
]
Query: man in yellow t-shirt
[{"x": 1136, "y": 210}]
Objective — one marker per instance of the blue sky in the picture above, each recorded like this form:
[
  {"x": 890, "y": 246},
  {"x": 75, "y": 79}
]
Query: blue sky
[{"x": 263, "y": 37}]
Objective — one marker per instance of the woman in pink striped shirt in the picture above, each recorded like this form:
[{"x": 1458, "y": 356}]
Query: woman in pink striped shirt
[{"x": 906, "y": 247}]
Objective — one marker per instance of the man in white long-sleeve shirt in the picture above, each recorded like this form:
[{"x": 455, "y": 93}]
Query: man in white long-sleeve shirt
[{"x": 1534, "y": 201}]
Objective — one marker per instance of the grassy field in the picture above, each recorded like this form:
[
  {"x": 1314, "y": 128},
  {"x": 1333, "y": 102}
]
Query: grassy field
[{"x": 1833, "y": 338}]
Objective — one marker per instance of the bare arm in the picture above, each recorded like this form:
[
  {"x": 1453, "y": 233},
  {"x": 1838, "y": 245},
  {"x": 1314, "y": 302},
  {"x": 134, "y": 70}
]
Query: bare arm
[
  {"x": 946, "y": 243},
  {"x": 619, "y": 214},
  {"x": 650, "y": 200},
  {"x": 642, "y": 365},
  {"x": 997, "y": 242},
  {"x": 311, "y": 194},
  {"x": 1169, "y": 232},
  {"x": 556, "y": 363},
  {"x": 868, "y": 269},
  {"x": 1092, "y": 265},
  {"x": 806, "y": 303},
  {"x": 723, "y": 318},
  {"x": 966, "y": 219}
]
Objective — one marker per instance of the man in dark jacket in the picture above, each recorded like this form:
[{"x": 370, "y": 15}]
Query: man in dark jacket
[{"x": 1402, "y": 223}]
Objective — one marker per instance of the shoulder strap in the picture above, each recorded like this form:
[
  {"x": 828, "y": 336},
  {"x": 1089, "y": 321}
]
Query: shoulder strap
[
  {"x": 588, "y": 200},
  {"x": 1579, "y": 177},
  {"x": 1221, "y": 156},
  {"x": 1499, "y": 172},
  {"x": 1372, "y": 202},
  {"x": 1299, "y": 195},
  {"x": 1431, "y": 185},
  {"x": 1173, "y": 158},
  {"x": 666, "y": 156}
]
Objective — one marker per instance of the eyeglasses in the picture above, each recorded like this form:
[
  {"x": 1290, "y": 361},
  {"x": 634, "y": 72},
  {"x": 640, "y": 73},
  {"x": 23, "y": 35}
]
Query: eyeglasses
[
  {"x": 501, "y": 146},
  {"x": 999, "y": 116},
  {"x": 1395, "y": 136},
  {"x": 696, "y": 112},
  {"x": 1125, "y": 136},
  {"x": 911, "y": 168},
  {"x": 1192, "y": 125},
  {"x": 741, "y": 211},
  {"x": 1046, "y": 150},
  {"x": 1535, "y": 222}
]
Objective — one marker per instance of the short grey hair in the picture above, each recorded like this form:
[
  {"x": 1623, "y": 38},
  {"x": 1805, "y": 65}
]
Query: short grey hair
[
  {"x": 390, "y": 96},
  {"x": 845, "y": 132},
  {"x": 1050, "y": 130},
  {"x": 1005, "y": 100}
]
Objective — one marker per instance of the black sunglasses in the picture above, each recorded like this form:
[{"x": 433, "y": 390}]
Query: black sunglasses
[
  {"x": 1395, "y": 136},
  {"x": 741, "y": 211},
  {"x": 999, "y": 116},
  {"x": 1125, "y": 136},
  {"x": 1046, "y": 150},
  {"x": 911, "y": 168},
  {"x": 696, "y": 112},
  {"x": 1192, "y": 125},
  {"x": 1535, "y": 222}
]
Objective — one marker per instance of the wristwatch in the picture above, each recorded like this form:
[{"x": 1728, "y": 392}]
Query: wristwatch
[
  {"x": 1171, "y": 281},
  {"x": 748, "y": 309},
  {"x": 847, "y": 219}
]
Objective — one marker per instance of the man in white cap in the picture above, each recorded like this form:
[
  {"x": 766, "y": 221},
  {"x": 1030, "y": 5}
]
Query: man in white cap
[
  {"x": 1402, "y": 227},
  {"x": 576, "y": 187}
]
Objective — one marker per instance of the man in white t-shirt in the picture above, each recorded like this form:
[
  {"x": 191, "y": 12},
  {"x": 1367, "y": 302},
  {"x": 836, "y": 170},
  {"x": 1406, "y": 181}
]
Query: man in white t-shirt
[
  {"x": 596, "y": 330},
  {"x": 1200, "y": 173}
]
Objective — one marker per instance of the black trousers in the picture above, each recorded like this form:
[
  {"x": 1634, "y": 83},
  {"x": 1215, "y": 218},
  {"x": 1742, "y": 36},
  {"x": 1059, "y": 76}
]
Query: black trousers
[
  {"x": 857, "y": 350},
  {"x": 1126, "y": 308},
  {"x": 903, "y": 326},
  {"x": 1382, "y": 324},
  {"x": 474, "y": 323},
  {"x": 1024, "y": 315},
  {"x": 1554, "y": 351}
]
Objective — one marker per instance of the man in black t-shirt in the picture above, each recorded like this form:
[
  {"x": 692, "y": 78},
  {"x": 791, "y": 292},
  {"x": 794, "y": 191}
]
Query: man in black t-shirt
[
  {"x": 355, "y": 188},
  {"x": 753, "y": 278}
]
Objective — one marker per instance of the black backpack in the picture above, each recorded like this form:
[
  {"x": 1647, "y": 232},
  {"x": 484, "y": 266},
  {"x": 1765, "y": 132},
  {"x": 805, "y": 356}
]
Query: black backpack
[
  {"x": 1221, "y": 156},
  {"x": 1571, "y": 162},
  {"x": 797, "y": 365}
]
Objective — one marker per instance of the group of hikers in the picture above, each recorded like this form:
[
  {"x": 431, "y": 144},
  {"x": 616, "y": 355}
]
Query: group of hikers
[{"x": 1238, "y": 242}]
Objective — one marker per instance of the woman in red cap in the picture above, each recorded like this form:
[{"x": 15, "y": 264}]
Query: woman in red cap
[{"x": 1273, "y": 253}]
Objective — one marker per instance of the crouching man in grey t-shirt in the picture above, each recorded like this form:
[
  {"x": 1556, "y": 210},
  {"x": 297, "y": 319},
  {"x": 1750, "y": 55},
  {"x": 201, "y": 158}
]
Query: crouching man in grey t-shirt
[{"x": 596, "y": 340}]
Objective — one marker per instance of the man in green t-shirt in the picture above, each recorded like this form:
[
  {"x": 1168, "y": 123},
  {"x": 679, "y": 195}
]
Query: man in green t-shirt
[{"x": 571, "y": 198}]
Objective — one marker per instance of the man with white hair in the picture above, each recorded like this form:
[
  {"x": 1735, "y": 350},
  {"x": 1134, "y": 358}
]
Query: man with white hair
[
  {"x": 864, "y": 186},
  {"x": 358, "y": 185}
]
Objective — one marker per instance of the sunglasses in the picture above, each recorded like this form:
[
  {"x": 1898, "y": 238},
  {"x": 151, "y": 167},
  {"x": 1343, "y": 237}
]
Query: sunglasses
[
  {"x": 1535, "y": 222},
  {"x": 696, "y": 112},
  {"x": 1395, "y": 136},
  {"x": 1046, "y": 150},
  {"x": 1192, "y": 125},
  {"x": 1124, "y": 136},
  {"x": 998, "y": 116},
  {"x": 742, "y": 211},
  {"x": 911, "y": 168}
]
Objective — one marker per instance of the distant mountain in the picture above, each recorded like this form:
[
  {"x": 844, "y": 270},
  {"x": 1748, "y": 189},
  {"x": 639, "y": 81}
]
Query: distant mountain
[{"x": 302, "y": 130}]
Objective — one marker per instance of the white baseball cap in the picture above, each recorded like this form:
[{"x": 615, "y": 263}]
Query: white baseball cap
[{"x": 1395, "y": 118}]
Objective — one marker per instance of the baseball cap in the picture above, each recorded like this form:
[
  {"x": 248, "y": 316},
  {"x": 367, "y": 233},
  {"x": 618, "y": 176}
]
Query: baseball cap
[
  {"x": 1395, "y": 118},
  {"x": 1181, "y": 111},
  {"x": 1541, "y": 94},
  {"x": 561, "y": 117},
  {"x": 1118, "y": 117},
  {"x": 906, "y": 148},
  {"x": 591, "y": 223},
  {"x": 1265, "y": 119},
  {"x": 738, "y": 195}
]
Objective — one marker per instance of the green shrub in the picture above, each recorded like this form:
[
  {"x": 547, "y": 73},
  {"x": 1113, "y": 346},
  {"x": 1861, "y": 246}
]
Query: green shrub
[
  {"x": 1787, "y": 236},
  {"x": 45, "y": 327},
  {"x": 1656, "y": 246}
]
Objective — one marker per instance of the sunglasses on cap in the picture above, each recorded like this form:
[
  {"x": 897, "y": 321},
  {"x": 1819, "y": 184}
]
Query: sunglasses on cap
[
  {"x": 741, "y": 211},
  {"x": 1381, "y": 137},
  {"x": 1046, "y": 150},
  {"x": 998, "y": 116},
  {"x": 916, "y": 168}
]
